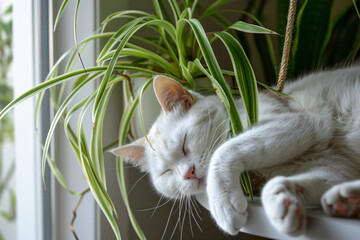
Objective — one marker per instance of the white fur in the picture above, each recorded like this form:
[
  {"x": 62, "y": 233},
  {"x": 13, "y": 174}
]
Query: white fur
[{"x": 304, "y": 147}]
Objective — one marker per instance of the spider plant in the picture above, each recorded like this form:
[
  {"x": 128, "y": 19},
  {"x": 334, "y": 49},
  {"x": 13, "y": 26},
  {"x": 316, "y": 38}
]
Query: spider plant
[{"x": 179, "y": 48}]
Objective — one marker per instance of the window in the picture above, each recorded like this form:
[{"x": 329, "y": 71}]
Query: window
[{"x": 7, "y": 161}]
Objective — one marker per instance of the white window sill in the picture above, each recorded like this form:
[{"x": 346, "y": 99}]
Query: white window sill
[{"x": 319, "y": 225}]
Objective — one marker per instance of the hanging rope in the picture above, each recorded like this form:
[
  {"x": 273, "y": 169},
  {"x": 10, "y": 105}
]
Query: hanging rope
[{"x": 287, "y": 45}]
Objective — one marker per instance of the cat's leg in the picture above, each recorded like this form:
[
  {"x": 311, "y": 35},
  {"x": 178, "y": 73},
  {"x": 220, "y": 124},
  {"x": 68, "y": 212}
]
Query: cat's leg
[
  {"x": 284, "y": 198},
  {"x": 342, "y": 200},
  {"x": 273, "y": 142}
]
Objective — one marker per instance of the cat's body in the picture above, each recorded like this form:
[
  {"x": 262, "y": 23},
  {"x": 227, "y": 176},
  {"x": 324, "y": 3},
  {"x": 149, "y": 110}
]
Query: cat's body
[{"x": 304, "y": 147}]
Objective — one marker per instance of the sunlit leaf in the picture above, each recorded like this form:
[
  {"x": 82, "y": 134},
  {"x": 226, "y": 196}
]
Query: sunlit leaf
[{"x": 251, "y": 28}]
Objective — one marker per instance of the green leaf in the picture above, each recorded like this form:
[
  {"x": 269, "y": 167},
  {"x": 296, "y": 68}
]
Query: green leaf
[
  {"x": 244, "y": 74},
  {"x": 157, "y": 7},
  {"x": 79, "y": 81},
  {"x": 246, "y": 82},
  {"x": 282, "y": 8},
  {"x": 129, "y": 33},
  {"x": 63, "y": 78},
  {"x": 60, "y": 12},
  {"x": 98, "y": 191},
  {"x": 122, "y": 14},
  {"x": 56, "y": 119},
  {"x": 96, "y": 139},
  {"x": 356, "y": 8},
  {"x": 186, "y": 73},
  {"x": 8, "y": 10},
  {"x": 143, "y": 88},
  {"x": 276, "y": 91},
  {"x": 212, "y": 7},
  {"x": 53, "y": 72},
  {"x": 313, "y": 26},
  {"x": 136, "y": 51},
  {"x": 118, "y": 36},
  {"x": 251, "y": 28},
  {"x": 344, "y": 41},
  {"x": 75, "y": 21},
  {"x": 59, "y": 177},
  {"x": 11, "y": 214},
  {"x": 195, "y": 2},
  {"x": 175, "y": 9},
  {"x": 218, "y": 89},
  {"x": 213, "y": 67},
  {"x": 125, "y": 124},
  {"x": 41, "y": 87}
]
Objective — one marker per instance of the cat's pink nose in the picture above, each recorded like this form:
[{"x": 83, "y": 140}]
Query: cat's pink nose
[{"x": 190, "y": 174}]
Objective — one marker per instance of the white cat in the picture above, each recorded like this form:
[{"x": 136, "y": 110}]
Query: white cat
[{"x": 308, "y": 150}]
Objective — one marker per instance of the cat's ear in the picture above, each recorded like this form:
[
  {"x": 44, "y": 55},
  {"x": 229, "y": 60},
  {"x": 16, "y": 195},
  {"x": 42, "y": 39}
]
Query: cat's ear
[
  {"x": 133, "y": 153},
  {"x": 171, "y": 94}
]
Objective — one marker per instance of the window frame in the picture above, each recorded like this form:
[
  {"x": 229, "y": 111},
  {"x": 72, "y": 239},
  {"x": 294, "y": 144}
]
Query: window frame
[
  {"x": 27, "y": 174},
  {"x": 30, "y": 65}
]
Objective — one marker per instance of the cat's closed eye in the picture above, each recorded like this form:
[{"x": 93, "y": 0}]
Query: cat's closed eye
[
  {"x": 166, "y": 171},
  {"x": 183, "y": 146}
]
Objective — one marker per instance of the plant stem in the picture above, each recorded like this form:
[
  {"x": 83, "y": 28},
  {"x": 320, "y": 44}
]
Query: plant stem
[{"x": 74, "y": 213}]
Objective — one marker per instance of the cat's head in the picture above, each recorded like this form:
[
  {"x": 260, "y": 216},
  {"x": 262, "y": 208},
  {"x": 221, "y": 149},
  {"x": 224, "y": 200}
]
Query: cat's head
[{"x": 183, "y": 138}]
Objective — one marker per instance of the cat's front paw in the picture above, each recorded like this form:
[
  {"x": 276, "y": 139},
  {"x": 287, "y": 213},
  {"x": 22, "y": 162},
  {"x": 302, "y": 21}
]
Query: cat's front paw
[
  {"x": 227, "y": 205},
  {"x": 342, "y": 200},
  {"x": 282, "y": 203}
]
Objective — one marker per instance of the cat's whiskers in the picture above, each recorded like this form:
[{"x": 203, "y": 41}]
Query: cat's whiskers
[
  {"x": 138, "y": 181},
  {"x": 157, "y": 207},
  {"x": 191, "y": 207},
  {"x": 209, "y": 126},
  {"x": 196, "y": 207},
  {"x": 163, "y": 204},
  {"x": 215, "y": 143},
  {"x": 193, "y": 215},
  {"x": 208, "y": 151},
  {"x": 170, "y": 214},
  {"x": 179, "y": 217},
  {"x": 184, "y": 215},
  {"x": 214, "y": 134},
  {"x": 226, "y": 120},
  {"x": 190, "y": 213}
]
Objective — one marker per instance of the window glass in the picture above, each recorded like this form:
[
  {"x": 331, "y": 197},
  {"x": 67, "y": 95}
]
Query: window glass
[{"x": 7, "y": 161}]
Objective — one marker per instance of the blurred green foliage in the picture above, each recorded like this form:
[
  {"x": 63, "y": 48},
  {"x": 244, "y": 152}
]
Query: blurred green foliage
[
  {"x": 322, "y": 38},
  {"x": 6, "y": 125}
]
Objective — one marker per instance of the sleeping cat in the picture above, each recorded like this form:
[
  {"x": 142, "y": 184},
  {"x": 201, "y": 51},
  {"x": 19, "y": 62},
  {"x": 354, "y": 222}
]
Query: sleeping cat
[{"x": 307, "y": 149}]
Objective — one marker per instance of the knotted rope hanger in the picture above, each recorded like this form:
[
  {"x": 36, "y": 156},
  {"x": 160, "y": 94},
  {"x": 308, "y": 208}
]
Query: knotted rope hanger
[{"x": 287, "y": 45}]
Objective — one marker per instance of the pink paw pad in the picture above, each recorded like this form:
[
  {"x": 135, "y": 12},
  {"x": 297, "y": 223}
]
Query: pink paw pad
[
  {"x": 299, "y": 212},
  {"x": 287, "y": 203},
  {"x": 348, "y": 207},
  {"x": 340, "y": 209},
  {"x": 353, "y": 200}
]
